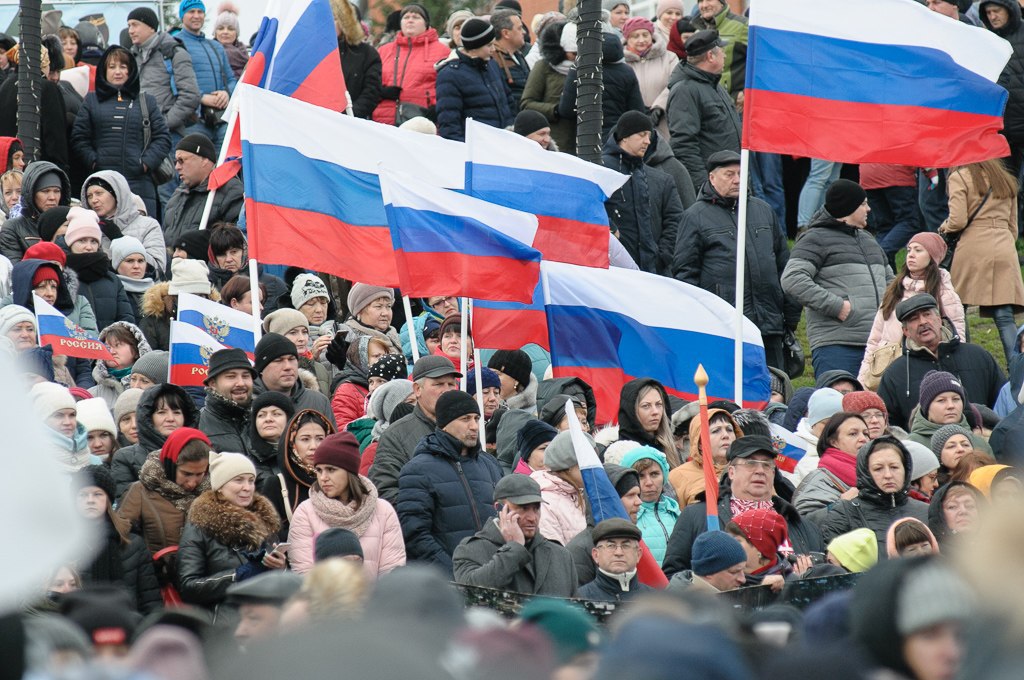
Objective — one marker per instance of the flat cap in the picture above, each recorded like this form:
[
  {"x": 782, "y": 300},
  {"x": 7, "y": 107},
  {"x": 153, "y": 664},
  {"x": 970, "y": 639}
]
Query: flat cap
[
  {"x": 518, "y": 489},
  {"x": 914, "y": 304},
  {"x": 616, "y": 527},
  {"x": 272, "y": 587}
]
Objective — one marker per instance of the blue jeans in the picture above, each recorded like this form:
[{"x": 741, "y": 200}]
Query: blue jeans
[
  {"x": 894, "y": 217},
  {"x": 812, "y": 196},
  {"x": 837, "y": 357},
  {"x": 766, "y": 183},
  {"x": 934, "y": 203},
  {"x": 1007, "y": 326}
]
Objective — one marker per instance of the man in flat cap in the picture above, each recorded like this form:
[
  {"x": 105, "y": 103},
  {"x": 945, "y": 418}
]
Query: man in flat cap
[
  {"x": 705, "y": 253},
  {"x": 260, "y": 600},
  {"x": 616, "y": 553},
  {"x": 509, "y": 553},
  {"x": 702, "y": 117}
]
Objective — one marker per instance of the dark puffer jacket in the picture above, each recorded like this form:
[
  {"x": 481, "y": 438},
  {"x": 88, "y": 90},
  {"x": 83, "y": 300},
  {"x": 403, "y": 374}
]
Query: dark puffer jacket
[
  {"x": 705, "y": 256},
  {"x": 830, "y": 263},
  {"x": 444, "y": 497},
  {"x": 396, "y": 447},
  {"x": 109, "y": 131},
  {"x": 646, "y": 212},
  {"x": 103, "y": 290},
  {"x": 468, "y": 87},
  {"x": 362, "y": 69},
  {"x": 22, "y": 232},
  {"x": 621, "y": 88},
  {"x": 873, "y": 508},
  {"x": 226, "y": 424},
  {"x": 126, "y": 462},
  {"x": 1012, "y": 77},
  {"x": 701, "y": 119},
  {"x": 137, "y": 575}
]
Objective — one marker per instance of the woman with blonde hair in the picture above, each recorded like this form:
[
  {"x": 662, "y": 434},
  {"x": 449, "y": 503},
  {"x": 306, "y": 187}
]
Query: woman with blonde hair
[
  {"x": 985, "y": 270},
  {"x": 688, "y": 478},
  {"x": 335, "y": 589},
  {"x": 645, "y": 416}
]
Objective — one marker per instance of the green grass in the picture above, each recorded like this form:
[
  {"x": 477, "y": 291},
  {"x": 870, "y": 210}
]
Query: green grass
[{"x": 982, "y": 330}]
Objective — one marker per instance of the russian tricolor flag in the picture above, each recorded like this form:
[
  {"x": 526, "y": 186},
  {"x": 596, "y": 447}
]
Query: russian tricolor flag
[
  {"x": 566, "y": 193},
  {"x": 789, "y": 448},
  {"x": 312, "y": 193},
  {"x": 448, "y": 243},
  {"x": 879, "y": 81},
  {"x": 295, "y": 53},
  {"x": 230, "y": 327},
  {"x": 609, "y": 326},
  {"x": 191, "y": 350},
  {"x": 604, "y": 500},
  {"x": 65, "y": 336},
  {"x": 510, "y": 325}
]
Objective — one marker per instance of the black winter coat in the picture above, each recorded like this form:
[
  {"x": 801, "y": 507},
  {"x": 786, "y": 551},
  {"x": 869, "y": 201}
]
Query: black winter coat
[
  {"x": 1012, "y": 77},
  {"x": 53, "y": 129},
  {"x": 702, "y": 119},
  {"x": 226, "y": 424},
  {"x": 803, "y": 534},
  {"x": 109, "y": 131},
  {"x": 515, "y": 72},
  {"x": 106, "y": 295},
  {"x": 621, "y": 88},
  {"x": 185, "y": 207},
  {"x": 606, "y": 589},
  {"x": 126, "y": 462},
  {"x": 138, "y": 576},
  {"x": 705, "y": 256},
  {"x": 444, "y": 497},
  {"x": 468, "y": 87},
  {"x": 22, "y": 232},
  {"x": 362, "y": 69},
  {"x": 646, "y": 212}
]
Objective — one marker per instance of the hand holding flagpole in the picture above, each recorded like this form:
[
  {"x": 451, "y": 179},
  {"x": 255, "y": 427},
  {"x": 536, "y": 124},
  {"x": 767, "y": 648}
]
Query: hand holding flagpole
[{"x": 707, "y": 460}]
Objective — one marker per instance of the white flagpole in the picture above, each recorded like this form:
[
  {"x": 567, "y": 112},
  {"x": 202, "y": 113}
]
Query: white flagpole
[
  {"x": 463, "y": 349},
  {"x": 254, "y": 296},
  {"x": 232, "y": 122},
  {"x": 411, "y": 327},
  {"x": 741, "y": 255}
]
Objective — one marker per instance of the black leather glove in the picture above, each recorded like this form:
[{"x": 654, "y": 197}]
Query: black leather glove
[
  {"x": 337, "y": 351},
  {"x": 110, "y": 230},
  {"x": 390, "y": 92}
]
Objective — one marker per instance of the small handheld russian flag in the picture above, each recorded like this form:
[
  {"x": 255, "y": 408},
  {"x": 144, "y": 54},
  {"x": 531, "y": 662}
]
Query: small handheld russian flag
[
  {"x": 64, "y": 335},
  {"x": 191, "y": 350},
  {"x": 226, "y": 325}
]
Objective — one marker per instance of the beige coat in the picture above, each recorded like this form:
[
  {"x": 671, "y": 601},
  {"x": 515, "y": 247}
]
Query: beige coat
[
  {"x": 653, "y": 71},
  {"x": 985, "y": 269}
]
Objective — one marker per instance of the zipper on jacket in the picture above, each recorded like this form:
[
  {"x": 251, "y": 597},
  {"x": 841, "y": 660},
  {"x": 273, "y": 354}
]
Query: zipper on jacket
[
  {"x": 469, "y": 495},
  {"x": 661, "y": 524}
]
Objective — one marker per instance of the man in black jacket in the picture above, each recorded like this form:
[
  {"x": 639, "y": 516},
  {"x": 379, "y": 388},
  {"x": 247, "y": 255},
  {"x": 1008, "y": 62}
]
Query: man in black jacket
[
  {"x": 225, "y": 416},
  {"x": 747, "y": 487},
  {"x": 616, "y": 553},
  {"x": 705, "y": 253},
  {"x": 1003, "y": 17},
  {"x": 930, "y": 346}
]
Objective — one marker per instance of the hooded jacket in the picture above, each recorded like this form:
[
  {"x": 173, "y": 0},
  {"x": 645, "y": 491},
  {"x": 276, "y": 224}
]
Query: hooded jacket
[
  {"x": 130, "y": 221},
  {"x": 705, "y": 256},
  {"x": 1012, "y": 77},
  {"x": 832, "y": 263},
  {"x": 408, "y": 63},
  {"x": 107, "y": 386},
  {"x": 922, "y": 430},
  {"x": 564, "y": 514},
  {"x": 630, "y": 428},
  {"x": 21, "y": 232},
  {"x": 551, "y": 388},
  {"x": 108, "y": 133},
  {"x": 936, "y": 516},
  {"x": 688, "y": 479},
  {"x": 470, "y": 87},
  {"x": 873, "y": 508},
  {"x": 972, "y": 365},
  {"x": 663, "y": 159},
  {"x": 175, "y": 88},
  {"x": 646, "y": 211},
  {"x": 128, "y": 461},
  {"x": 540, "y": 567},
  {"x": 53, "y": 122},
  {"x": 702, "y": 119},
  {"x": 656, "y": 519},
  {"x": 444, "y": 497},
  {"x": 621, "y": 88}
]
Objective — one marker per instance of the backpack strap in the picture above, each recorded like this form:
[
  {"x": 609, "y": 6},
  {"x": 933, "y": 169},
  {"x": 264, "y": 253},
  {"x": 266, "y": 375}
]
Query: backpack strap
[{"x": 167, "y": 51}]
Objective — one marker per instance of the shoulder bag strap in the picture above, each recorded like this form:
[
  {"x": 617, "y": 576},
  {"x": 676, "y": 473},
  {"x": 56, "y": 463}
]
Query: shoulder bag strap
[
  {"x": 146, "y": 133},
  {"x": 285, "y": 498}
]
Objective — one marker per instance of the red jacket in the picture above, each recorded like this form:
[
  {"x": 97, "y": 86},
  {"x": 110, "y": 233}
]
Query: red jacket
[
  {"x": 348, "y": 403},
  {"x": 409, "y": 64}
]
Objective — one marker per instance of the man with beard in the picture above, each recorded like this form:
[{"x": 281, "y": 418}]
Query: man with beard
[{"x": 224, "y": 418}]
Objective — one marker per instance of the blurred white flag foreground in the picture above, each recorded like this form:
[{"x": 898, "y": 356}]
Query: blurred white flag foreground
[{"x": 42, "y": 529}]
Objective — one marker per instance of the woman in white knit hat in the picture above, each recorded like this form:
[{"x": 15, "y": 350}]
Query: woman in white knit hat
[
  {"x": 94, "y": 415},
  {"x": 229, "y": 536},
  {"x": 66, "y": 438}
]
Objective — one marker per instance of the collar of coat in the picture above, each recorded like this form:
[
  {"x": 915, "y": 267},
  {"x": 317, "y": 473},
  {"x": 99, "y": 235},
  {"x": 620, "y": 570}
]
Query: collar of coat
[{"x": 235, "y": 527}]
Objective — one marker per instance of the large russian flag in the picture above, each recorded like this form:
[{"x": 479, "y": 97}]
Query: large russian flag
[
  {"x": 609, "y": 326},
  {"x": 447, "y": 243},
  {"x": 566, "y": 193},
  {"x": 604, "y": 500},
  {"x": 510, "y": 325},
  {"x": 872, "y": 81},
  {"x": 191, "y": 350},
  {"x": 228, "y": 326},
  {"x": 65, "y": 336},
  {"x": 295, "y": 53},
  {"x": 312, "y": 193}
]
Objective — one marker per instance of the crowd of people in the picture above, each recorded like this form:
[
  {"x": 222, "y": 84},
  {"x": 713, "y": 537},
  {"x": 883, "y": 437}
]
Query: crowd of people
[{"x": 332, "y": 497}]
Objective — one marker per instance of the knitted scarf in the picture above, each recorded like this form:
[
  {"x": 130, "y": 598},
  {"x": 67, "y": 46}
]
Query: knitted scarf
[
  {"x": 738, "y": 505},
  {"x": 841, "y": 464},
  {"x": 334, "y": 513}
]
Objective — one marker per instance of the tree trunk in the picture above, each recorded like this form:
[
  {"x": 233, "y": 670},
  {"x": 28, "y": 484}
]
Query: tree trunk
[
  {"x": 589, "y": 82},
  {"x": 30, "y": 77}
]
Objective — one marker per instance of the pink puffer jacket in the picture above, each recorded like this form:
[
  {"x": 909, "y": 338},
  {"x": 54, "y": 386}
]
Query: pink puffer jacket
[
  {"x": 560, "y": 517},
  {"x": 383, "y": 546}
]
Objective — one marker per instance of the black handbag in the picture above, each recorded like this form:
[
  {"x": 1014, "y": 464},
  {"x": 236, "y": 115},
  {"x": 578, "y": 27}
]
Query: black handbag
[
  {"x": 954, "y": 238},
  {"x": 793, "y": 355},
  {"x": 405, "y": 111}
]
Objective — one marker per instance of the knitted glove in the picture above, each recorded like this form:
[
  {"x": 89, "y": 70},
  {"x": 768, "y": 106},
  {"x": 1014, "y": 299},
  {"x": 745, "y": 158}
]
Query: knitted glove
[
  {"x": 337, "y": 351},
  {"x": 390, "y": 92}
]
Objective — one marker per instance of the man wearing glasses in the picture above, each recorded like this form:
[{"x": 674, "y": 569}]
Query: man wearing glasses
[
  {"x": 749, "y": 484},
  {"x": 616, "y": 553}
]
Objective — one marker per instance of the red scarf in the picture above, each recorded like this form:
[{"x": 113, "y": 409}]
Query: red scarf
[{"x": 841, "y": 464}]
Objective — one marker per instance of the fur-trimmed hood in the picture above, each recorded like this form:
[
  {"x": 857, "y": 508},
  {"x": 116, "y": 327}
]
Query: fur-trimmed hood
[
  {"x": 550, "y": 44},
  {"x": 153, "y": 299},
  {"x": 100, "y": 372},
  {"x": 232, "y": 526},
  {"x": 345, "y": 17}
]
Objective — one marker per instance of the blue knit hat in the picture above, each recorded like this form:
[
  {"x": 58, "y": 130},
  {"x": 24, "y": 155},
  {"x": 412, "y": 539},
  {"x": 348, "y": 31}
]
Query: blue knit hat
[
  {"x": 187, "y": 5},
  {"x": 487, "y": 376},
  {"x": 716, "y": 551}
]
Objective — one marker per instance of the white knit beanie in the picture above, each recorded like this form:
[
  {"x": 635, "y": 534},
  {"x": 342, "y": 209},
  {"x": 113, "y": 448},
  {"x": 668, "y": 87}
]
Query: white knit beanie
[
  {"x": 189, "y": 276},
  {"x": 226, "y": 466},
  {"x": 48, "y": 398},
  {"x": 306, "y": 287},
  {"x": 94, "y": 414},
  {"x": 12, "y": 315}
]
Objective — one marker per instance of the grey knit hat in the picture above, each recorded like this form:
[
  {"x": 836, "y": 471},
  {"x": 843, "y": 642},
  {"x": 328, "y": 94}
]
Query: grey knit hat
[
  {"x": 943, "y": 434},
  {"x": 126, "y": 403},
  {"x": 154, "y": 365},
  {"x": 560, "y": 454},
  {"x": 932, "y": 594}
]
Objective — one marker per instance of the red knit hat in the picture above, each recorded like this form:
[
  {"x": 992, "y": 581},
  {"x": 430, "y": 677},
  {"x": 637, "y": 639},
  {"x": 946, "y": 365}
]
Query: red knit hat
[
  {"x": 176, "y": 442},
  {"x": 765, "y": 529},
  {"x": 858, "y": 402},
  {"x": 340, "y": 450},
  {"x": 46, "y": 273},
  {"x": 51, "y": 252}
]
